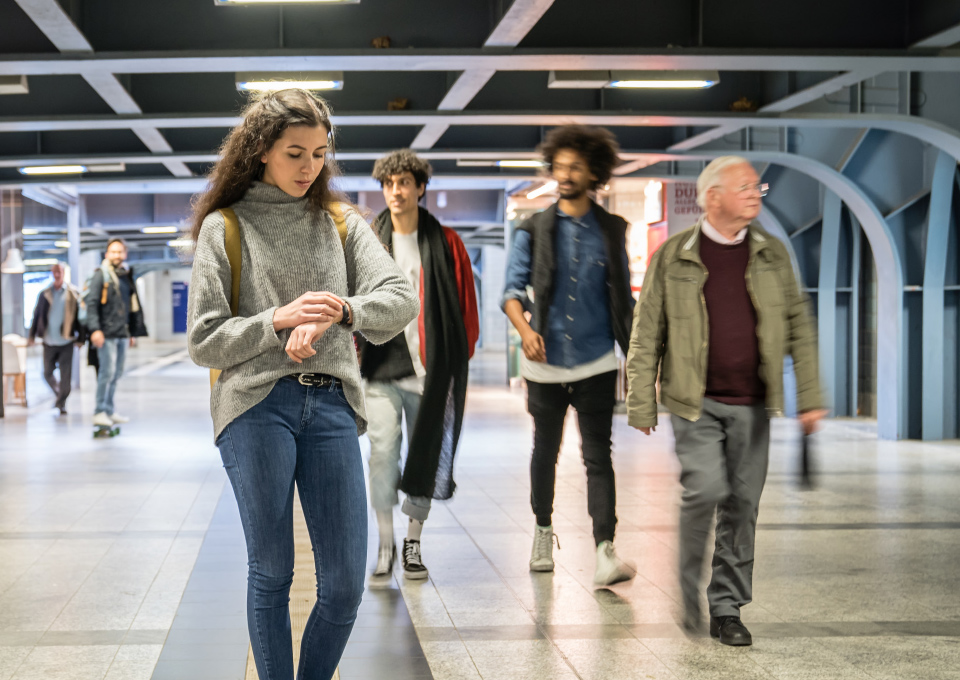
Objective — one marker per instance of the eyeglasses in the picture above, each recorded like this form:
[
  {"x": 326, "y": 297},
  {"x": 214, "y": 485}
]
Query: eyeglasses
[{"x": 762, "y": 189}]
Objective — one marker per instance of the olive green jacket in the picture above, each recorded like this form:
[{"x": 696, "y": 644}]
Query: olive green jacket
[{"x": 670, "y": 329}]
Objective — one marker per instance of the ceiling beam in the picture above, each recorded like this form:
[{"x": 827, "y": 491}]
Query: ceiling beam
[
  {"x": 54, "y": 23},
  {"x": 512, "y": 28},
  {"x": 945, "y": 38},
  {"x": 892, "y": 122},
  {"x": 497, "y": 59},
  {"x": 192, "y": 157},
  {"x": 788, "y": 103}
]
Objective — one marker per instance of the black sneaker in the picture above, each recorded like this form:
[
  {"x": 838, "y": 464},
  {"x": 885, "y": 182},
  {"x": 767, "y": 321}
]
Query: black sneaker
[
  {"x": 413, "y": 567},
  {"x": 730, "y": 630}
]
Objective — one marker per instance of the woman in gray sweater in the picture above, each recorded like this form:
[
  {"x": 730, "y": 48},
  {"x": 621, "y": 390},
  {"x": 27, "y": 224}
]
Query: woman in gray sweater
[{"x": 288, "y": 405}]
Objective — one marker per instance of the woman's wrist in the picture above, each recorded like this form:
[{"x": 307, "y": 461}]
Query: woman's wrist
[{"x": 279, "y": 320}]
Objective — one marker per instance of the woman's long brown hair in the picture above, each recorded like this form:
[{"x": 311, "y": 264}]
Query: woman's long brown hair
[{"x": 264, "y": 121}]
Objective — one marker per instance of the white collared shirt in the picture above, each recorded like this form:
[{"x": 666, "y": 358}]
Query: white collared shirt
[{"x": 711, "y": 233}]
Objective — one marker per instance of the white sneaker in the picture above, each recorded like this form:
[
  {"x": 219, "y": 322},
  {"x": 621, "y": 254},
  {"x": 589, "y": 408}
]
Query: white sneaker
[
  {"x": 381, "y": 577},
  {"x": 102, "y": 420},
  {"x": 610, "y": 568},
  {"x": 541, "y": 557},
  {"x": 119, "y": 419}
]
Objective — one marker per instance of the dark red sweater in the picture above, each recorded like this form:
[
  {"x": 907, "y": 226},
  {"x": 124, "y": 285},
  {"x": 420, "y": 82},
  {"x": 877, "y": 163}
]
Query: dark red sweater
[{"x": 733, "y": 361}]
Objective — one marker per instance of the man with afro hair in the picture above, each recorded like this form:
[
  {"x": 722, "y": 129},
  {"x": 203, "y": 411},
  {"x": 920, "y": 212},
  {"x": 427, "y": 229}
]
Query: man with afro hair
[{"x": 573, "y": 257}]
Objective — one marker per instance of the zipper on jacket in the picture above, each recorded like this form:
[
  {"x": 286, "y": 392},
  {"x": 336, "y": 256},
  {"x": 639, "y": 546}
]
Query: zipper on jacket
[{"x": 706, "y": 335}]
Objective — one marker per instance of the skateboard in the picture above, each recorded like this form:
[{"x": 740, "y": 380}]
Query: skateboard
[{"x": 102, "y": 431}]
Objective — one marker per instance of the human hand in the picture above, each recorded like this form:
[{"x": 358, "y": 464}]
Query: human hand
[
  {"x": 300, "y": 344},
  {"x": 97, "y": 339},
  {"x": 533, "y": 346},
  {"x": 647, "y": 430},
  {"x": 133, "y": 342},
  {"x": 810, "y": 420},
  {"x": 310, "y": 307}
]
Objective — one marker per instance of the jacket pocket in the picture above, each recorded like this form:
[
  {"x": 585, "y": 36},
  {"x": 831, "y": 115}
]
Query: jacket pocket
[{"x": 681, "y": 296}]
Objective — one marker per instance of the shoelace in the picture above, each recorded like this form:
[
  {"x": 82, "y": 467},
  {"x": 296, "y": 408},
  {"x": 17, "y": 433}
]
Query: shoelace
[
  {"x": 412, "y": 552},
  {"x": 544, "y": 544}
]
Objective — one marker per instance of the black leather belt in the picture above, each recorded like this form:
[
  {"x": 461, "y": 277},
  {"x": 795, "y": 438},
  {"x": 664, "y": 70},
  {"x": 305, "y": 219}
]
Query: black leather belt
[{"x": 313, "y": 379}]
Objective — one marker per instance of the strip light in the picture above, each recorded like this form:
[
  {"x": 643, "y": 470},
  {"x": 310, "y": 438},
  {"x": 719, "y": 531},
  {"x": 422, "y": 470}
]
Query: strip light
[
  {"x": 520, "y": 164},
  {"x": 666, "y": 80},
  {"x": 53, "y": 169},
  {"x": 180, "y": 243},
  {"x": 41, "y": 262},
  {"x": 545, "y": 189},
  {"x": 664, "y": 84},
  {"x": 285, "y": 2},
  {"x": 160, "y": 230},
  {"x": 274, "y": 82},
  {"x": 62, "y": 244}
]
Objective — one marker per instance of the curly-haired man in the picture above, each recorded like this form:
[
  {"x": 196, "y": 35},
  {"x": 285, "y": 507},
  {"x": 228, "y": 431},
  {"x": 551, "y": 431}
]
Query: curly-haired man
[
  {"x": 573, "y": 255},
  {"x": 422, "y": 373}
]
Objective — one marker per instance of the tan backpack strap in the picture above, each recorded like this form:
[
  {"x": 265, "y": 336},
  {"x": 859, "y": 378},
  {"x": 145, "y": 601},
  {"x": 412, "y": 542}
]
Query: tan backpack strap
[
  {"x": 103, "y": 293},
  {"x": 231, "y": 242},
  {"x": 339, "y": 212}
]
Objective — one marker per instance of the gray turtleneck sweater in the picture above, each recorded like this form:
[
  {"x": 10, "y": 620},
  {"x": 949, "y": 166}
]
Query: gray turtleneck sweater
[{"x": 286, "y": 252}]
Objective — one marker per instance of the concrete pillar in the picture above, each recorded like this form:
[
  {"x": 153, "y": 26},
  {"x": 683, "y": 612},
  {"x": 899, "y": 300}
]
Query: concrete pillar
[{"x": 493, "y": 322}]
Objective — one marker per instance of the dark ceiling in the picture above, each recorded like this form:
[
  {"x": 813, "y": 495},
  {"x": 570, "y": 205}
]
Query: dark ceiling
[{"x": 63, "y": 55}]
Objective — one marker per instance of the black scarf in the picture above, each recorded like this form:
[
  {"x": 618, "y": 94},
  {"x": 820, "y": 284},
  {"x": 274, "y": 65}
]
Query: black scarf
[{"x": 428, "y": 472}]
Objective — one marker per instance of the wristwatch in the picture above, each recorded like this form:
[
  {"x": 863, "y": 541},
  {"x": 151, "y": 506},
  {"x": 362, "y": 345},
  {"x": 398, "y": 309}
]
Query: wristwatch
[{"x": 347, "y": 318}]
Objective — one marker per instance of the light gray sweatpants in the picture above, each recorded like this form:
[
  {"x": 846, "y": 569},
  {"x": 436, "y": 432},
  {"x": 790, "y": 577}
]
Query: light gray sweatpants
[
  {"x": 723, "y": 459},
  {"x": 387, "y": 404}
]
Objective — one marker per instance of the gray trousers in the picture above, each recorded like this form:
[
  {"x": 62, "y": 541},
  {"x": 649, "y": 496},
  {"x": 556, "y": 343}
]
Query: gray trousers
[
  {"x": 386, "y": 405},
  {"x": 58, "y": 356},
  {"x": 723, "y": 459}
]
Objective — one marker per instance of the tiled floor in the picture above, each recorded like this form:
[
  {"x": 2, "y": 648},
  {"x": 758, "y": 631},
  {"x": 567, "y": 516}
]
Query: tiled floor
[{"x": 856, "y": 579}]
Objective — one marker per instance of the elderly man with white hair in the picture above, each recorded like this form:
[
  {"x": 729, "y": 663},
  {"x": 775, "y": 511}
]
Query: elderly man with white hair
[{"x": 719, "y": 311}]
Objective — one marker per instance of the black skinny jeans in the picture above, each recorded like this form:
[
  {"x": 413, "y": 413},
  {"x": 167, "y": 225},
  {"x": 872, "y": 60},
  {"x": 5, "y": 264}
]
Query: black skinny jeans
[{"x": 593, "y": 399}]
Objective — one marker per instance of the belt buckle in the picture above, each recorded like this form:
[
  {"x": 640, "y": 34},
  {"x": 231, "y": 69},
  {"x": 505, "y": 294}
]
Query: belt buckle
[{"x": 313, "y": 380}]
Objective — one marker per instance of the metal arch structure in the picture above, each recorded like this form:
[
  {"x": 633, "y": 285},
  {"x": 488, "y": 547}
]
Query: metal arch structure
[
  {"x": 772, "y": 224},
  {"x": 891, "y": 363},
  {"x": 937, "y": 399}
]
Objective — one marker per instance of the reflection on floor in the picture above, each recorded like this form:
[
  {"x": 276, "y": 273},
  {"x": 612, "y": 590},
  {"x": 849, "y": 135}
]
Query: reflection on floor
[{"x": 855, "y": 579}]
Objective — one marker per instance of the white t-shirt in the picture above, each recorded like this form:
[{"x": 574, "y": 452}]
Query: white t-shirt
[{"x": 406, "y": 252}]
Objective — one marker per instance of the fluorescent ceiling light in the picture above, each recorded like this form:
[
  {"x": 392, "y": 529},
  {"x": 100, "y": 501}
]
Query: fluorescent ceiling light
[
  {"x": 273, "y": 82},
  {"x": 62, "y": 244},
  {"x": 41, "y": 262},
  {"x": 530, "y": 163},
  {"x": 664, "y": 79},
  {"x": 545, "y": 189},
  {"x": 14, "y": 85},
  {"x": 30, "y": 232},
  {"x": 578, "y": 80},
  {"x": 53, "y": 170},
  {"x": 108, "y": 167},
  {"x": 180, "y": 243},
  {"x": 508, "y": 163},
  {"x": 160, "y": 230},
  {"x": 285, "y": 2}
]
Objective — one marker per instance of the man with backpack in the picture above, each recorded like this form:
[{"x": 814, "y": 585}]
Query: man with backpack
[{"x": 113, "y": 319}]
